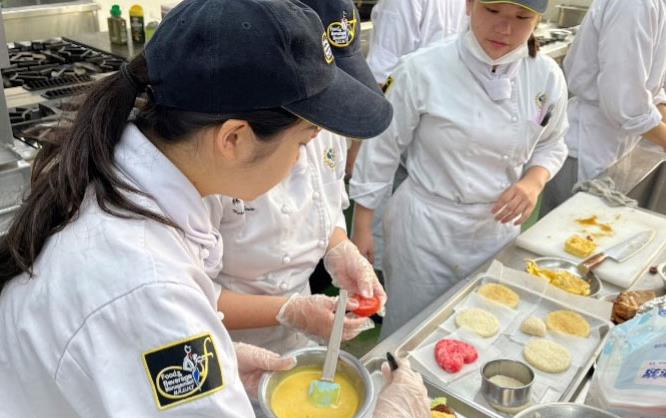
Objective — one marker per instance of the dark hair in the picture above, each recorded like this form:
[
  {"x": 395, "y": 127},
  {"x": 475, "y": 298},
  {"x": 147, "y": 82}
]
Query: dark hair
[
  {"x": 83, "y": 158},
  {"x": 533, "y": 46}
]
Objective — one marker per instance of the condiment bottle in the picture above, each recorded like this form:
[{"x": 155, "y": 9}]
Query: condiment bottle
[
  {"x": 117, "y": 27},
  {"x": 136, "y": 24}
]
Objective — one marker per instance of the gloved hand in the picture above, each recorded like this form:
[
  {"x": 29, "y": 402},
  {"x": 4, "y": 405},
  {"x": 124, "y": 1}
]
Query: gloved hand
[
  {"x": 353, "y": 272},
  {"x": 404, "y": 396},
  {"x": 313, "y": 315},
  {"x": 253, "y": 361}
]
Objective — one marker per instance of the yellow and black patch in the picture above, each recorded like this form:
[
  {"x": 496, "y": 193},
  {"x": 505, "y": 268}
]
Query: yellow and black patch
[
  {"x": 387, "y": 84},
  {"x": 343, "y": 32},
  {"x": 330, "y": 158},
  {"x": 184, "y": 370}
]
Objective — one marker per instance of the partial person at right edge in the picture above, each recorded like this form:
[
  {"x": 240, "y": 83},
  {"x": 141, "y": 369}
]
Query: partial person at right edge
[{"x": 616, "y": 70}]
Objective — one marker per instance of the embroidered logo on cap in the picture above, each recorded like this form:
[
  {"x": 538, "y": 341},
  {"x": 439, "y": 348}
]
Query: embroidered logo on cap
[
  {"x": 183, "y": 371},
  {"x": 330, "y": 158},
  {"x": 328, "y": 53},
  {"x": 342, "y": 32}
]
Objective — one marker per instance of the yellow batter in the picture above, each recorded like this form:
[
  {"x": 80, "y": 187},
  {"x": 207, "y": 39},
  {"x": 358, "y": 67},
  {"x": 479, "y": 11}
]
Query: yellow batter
[{"x": 290, "y": 397}]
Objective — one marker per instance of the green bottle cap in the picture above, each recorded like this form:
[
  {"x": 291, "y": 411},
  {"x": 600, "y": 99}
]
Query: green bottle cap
[{"x": 115, "y": 10}]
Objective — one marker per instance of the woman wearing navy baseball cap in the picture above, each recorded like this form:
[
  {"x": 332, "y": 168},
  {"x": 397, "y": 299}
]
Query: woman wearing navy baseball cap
[
  {"x": 107, "y": 307},
  {"x": 482, "y": 139}
]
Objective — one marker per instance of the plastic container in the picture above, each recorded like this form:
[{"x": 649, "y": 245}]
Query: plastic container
[
  {"x": 151, "y": 27},
  {"x": 136, "y": 24},
  {"x": 117, "y": 27}
]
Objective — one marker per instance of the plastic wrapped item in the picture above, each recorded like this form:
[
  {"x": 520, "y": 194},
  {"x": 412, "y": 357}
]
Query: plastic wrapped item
[{"x": 630, "y": 379}]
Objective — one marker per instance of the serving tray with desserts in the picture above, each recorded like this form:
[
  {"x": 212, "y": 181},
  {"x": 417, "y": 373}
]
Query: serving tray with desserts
[{"x": 493, "y": 318}]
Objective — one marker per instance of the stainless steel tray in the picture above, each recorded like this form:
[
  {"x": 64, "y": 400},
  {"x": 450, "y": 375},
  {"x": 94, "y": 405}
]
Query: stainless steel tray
[{"x": 424, "y": 334}]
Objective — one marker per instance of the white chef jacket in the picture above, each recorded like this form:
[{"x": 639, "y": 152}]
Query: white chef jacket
[
  {"x": 111, "y": 294},
  {"x": 403, "y": 26},
  {"x": 616, "y": 70},
  {"x": 273, "y": 244},
  {"x": 463, "y": 151}
]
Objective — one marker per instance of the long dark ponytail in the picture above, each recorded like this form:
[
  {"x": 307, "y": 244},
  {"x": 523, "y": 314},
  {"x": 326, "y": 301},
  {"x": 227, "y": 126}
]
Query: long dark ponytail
[{"x": 82, "y": 159}]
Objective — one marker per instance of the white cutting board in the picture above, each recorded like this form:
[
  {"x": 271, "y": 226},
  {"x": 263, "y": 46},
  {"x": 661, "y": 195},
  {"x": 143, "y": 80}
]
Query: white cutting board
[{"x": 547, "y": 236}]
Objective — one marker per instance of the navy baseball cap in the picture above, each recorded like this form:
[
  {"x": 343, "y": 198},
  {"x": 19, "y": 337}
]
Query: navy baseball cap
[
  {"x": 537, "y": 6},
  {"x": 343, "y": 30},
  {"x": 226, "y": 56}
]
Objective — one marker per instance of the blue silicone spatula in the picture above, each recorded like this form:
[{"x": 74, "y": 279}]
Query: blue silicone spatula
[{"x": 325, "y": 393}]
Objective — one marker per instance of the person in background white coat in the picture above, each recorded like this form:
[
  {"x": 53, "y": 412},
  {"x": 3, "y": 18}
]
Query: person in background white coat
[
  {"x": 107, "y": 307},
  {"x": 482, "y": 117},
  {"x": 273, "y": 243},
  {"x": 616, "y": 70},
  {"x": 400, "y": 27}
]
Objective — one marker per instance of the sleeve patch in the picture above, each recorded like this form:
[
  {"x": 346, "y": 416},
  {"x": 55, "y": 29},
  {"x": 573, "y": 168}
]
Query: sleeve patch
[{"x": 183, "y": 371}]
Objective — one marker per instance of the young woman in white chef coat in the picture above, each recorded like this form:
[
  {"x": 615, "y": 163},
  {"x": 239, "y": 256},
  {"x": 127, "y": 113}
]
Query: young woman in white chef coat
[
  {"x": 107, "y": 307},
  {"x": 399, "y": 28},
  {"x": 273, "y": 243},
  {"x": 482, "y": 117},
  {"x": 616, "y": 71}
]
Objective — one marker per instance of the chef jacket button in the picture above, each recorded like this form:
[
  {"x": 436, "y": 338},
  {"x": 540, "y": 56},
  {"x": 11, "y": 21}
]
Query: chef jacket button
[
  {"x": 514, "y": 118},
  {"x": 283, "y": 286},
  {"x": 205, "y": 253},
  {"x": 286, "y": 259},
  {"x": 220, "y": 315},
  {"x": 505, "y": 157},
  {"x": 316, "y": 195},
  {"x": 286, "y": 209},
  {"x": 321, "y": 243}
]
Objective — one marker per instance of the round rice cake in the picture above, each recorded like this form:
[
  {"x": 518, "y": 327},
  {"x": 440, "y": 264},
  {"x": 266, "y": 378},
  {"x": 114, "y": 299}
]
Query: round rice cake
[
  {"x": 568, "y": 322},
  {"x": 547, "y": 356},
  {"x": 500, "y": 294},
  {"x": 479, "y": 321}
]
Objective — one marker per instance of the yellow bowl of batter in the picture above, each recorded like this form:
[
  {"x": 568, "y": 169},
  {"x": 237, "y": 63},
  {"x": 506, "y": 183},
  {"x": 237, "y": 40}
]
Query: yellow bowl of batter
[{"x": 284, "y": 394}]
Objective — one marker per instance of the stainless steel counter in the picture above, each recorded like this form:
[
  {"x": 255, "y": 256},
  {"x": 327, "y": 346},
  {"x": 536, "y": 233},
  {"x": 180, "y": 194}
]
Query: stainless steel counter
[{"x": 640, "y": 175}]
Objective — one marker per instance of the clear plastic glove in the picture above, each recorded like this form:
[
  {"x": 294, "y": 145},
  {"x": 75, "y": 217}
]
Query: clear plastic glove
[
  {"x": 404, "y": 396},
  {"x": 313, "y": 316},
  {"x": 253, "y": 361},
  {"x": 353, "y": 272}
]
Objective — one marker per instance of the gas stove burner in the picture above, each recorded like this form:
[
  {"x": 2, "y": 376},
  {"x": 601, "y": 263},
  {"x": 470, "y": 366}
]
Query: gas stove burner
[
  {"x": 20, "y": 115},
  {"x": 55, "y": 63},
  {"x": 65, "y": 91},
  {"x": 43, "y": 123},
  {"x": 45, "y": 132},
  {"x": 39, "y": 133},
  {"x": 57, "y": 82}
]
